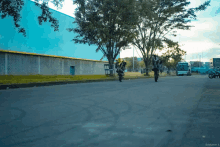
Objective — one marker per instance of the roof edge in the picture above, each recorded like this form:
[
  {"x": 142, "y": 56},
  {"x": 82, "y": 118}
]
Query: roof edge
[{"x": 54, "y": 56}]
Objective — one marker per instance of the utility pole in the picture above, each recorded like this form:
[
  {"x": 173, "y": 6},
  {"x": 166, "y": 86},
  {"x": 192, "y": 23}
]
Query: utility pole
[
  {"x": 202, "y": 58},
  {"x": 199, "y": 60},
  {"x": 133, "y": 58}
]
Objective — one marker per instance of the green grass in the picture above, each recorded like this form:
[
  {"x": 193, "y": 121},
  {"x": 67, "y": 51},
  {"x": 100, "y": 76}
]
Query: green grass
[
  {"x": 173, "y": 73},
  {"x": 12, "y": 79},
  {"x": 138, "y": 74},
  {"x": 194, "y": 73},
  {"x": 21, "y": 79}
]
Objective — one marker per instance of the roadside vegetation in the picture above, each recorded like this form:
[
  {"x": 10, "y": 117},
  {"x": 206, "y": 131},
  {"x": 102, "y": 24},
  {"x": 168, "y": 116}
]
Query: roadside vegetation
[{"x": 22, "y": 79}]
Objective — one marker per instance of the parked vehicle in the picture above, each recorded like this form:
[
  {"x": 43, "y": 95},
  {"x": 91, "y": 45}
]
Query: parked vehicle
[{"x": 213, "y": 73}]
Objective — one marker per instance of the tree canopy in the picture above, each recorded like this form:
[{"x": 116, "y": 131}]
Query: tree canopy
[
  {"x": 107, "y": 24},
  {"x": 172, "y": 56},
  {"x": 158, "y": 18},
  {"x": 13, "y": 8}
]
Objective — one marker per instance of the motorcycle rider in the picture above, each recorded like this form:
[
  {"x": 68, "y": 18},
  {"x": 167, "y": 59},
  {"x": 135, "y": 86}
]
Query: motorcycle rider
[
  {"x": 120, "y": 68},
  {"x": 157, "y": 63}
]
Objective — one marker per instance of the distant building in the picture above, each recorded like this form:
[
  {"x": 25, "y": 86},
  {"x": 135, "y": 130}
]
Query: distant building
[
  {"x": 192, "y": 62},
  {"x": 23, "y": 63},
  {"x": 207, "y": 64},
  {"x": 214, "y": 62},
  {"x": 196, "y": 64}
]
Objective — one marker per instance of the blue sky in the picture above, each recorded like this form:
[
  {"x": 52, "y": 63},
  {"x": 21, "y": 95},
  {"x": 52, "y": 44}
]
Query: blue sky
[{"x": 201, "y": 41}]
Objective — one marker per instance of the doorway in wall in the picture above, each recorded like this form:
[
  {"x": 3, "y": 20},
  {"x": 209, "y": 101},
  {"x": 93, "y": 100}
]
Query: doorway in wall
[{"x": 72, "y": 70}]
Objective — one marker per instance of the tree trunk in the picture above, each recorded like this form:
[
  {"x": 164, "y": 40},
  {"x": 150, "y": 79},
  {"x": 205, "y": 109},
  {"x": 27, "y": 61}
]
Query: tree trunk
[
  {"x": 111, "y": 65},
  {"x": 147, "y": 72},
  {"x": 168, "y": 72},
  {"x": 147, "y": 66}
]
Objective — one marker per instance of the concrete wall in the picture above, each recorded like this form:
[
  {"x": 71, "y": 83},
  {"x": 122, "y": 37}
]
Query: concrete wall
[
  {"x": 50, "y": 66},
  {"x": 21, "y": 64},
  {"x": 24, "y": 64},
  {"x": 2, "y": 64}
]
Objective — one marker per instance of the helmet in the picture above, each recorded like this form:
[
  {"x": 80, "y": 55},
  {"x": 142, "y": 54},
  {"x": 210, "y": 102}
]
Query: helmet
[{"x": 120, "y": 60}]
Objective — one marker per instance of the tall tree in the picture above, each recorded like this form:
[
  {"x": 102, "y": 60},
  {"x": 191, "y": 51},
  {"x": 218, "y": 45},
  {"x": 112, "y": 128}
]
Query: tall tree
[
  {"x": 142, "y": 65},
  {"x": 159, "y": 18},
  {"x": 172, "y": 56},
  {"x": 13, "y": 8},
  {"x": 106, "y": 24}
]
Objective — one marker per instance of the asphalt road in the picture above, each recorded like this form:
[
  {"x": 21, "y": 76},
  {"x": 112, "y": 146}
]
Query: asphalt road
[{"x": 174, "y": 112}]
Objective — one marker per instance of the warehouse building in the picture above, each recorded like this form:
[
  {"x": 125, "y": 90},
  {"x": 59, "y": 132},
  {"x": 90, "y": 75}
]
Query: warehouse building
[
  {"x": 22, "y": 63},
  {"x": 45, "y": 51}
]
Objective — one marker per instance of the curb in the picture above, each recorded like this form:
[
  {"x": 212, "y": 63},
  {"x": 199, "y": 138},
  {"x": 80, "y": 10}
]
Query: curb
[{"x": 26, "y": 85}]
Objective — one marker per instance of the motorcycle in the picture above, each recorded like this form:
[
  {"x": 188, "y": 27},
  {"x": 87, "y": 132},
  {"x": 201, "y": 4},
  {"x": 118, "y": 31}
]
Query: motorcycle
[
  {"x": 120, "y": 74},
  {"x": 213, "y": 74},
  {"x": 120, "y": 70},
  {"x": 156, "y": 74},
  {"x": 157, "y": 63}
]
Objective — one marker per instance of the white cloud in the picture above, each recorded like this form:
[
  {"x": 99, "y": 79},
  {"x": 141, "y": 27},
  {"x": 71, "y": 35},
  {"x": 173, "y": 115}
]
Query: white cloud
[
  {"x": 196, "y": 46},
  {"x": 68, "y": 8},
  {"x": 130, "y": 52}
]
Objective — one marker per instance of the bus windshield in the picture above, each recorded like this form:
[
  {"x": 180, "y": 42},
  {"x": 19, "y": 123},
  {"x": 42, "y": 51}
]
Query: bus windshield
[{"x": 182, "y": 67}]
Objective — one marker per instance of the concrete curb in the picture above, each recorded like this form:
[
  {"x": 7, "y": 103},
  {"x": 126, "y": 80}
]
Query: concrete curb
[{"x": 26, "y": 85}]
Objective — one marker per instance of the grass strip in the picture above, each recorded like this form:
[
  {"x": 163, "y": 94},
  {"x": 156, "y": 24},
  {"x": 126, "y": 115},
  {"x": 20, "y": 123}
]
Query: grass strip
[{"x": 23, "y": 79}]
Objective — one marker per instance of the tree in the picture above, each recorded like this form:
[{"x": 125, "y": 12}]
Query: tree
[
  {"x": 173, "y": 55},
  {"x": 107, "y": 24},
  {"x": 142, "y": 65},
  {"x": 158, "y": 18},
  {"x": 129, "y": 65},
  {"x": 13, "y": 7}
]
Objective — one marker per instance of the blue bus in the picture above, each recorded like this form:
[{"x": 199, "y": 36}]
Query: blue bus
[{"x": 183, "y": 68}]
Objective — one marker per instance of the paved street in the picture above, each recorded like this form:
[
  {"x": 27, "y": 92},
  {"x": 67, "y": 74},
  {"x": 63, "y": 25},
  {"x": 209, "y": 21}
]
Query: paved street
[{"x": 173, "y": 112}]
